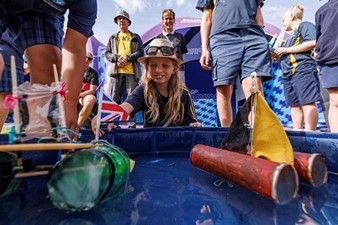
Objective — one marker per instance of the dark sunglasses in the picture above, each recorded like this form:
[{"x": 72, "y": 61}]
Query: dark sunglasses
[
  {"x": 89, "y": 58},
  {"x": 165, "y": 50}
]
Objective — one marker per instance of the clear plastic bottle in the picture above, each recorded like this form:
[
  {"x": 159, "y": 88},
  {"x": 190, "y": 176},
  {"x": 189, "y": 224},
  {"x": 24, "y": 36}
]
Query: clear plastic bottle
[{"x": 87, "y": 177}]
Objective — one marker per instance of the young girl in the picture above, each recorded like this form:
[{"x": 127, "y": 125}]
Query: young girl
[
  {"x": 300, "y": 79},
  {"x": 162, "y": 96}
]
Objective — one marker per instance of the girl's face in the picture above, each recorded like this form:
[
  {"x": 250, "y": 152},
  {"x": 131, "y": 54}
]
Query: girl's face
[
  {"x": 287, "y": 20},
  {"x": 161, "y": 69}
]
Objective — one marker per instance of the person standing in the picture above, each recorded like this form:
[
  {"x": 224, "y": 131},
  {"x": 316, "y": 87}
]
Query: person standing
[
  {"x": 87, "y": 96},
  {"x": 178, "y": 40},
  {"x": 37, "y": 28},
  {"x": 124, "y": 48},
  {"x": 300, "y": 75},
  {"x": 233, "y": 45},
  {"x": 327, "y": 56}
]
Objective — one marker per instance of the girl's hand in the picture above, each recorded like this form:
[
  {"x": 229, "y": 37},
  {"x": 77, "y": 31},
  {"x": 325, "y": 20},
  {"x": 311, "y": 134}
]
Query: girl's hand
[
  {"x": 282, "y": 51},
  {"x": 274, "y": 55}
]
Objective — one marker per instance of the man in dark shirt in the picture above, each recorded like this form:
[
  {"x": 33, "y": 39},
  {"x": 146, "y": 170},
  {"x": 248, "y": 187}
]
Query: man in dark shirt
[
  {"x": 178, "y": 40},
  {"x": 87, "y": 96}
]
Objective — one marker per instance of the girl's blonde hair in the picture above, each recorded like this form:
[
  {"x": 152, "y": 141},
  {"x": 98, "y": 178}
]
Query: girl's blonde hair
[
  {"x": 174, "y": 107},
  {"x": 297, "y": 11}
]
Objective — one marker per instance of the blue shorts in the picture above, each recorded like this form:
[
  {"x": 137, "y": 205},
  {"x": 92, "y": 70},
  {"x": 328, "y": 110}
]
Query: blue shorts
[
  {"x": 329, "y": 75},
  {"x": 303, "y": 87},
  {"x": 238, "y": 53},
  {"x": 30, "y": 28}
]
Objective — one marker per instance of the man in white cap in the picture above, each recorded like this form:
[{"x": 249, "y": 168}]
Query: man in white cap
[{"x": 123, "y": 49}]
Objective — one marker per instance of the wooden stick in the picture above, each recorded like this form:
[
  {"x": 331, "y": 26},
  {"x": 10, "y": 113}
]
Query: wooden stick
[
  {"x": 31, "y": 174},
  {"x": 46, "y": 172},
  {"x": 15, "y": 94},
  {"x": 62, "y": 119},
  {"x": 44, "y": 146}
]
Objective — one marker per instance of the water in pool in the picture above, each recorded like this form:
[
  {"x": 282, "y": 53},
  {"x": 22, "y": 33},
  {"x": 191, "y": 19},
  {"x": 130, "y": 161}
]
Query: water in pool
[{"x": 166, "y": 189}]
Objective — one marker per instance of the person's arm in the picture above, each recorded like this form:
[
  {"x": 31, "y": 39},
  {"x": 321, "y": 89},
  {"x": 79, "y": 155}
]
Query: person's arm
[
  {"x": 91, "y": 91},
  {"x": 110, "y": 54},
  {"x": 126, "y": 106},
  {"x": 259, "y": 17},
  {"x": 184, "y": 48},
  {"x": 139, "y": 52},
  {"x": 132, "y": 104},
  {"x": 205, "y": 32},
  {"x": 94, "y": 83},
  {"x": 303, "y": 47},
  {"x": 73, "y": 56},
  {"x": 190, "y": 113}
]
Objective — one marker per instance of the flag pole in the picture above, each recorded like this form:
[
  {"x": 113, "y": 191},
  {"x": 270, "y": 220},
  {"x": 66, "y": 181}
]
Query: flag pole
[{"x": 98, "y": 115}]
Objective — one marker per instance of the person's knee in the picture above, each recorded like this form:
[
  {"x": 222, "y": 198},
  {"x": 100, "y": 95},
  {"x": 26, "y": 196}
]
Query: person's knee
[{"x": 89, "y": 101}]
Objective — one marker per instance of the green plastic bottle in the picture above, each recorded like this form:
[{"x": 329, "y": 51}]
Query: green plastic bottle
[
  {"x": 8, "y": 169},
  {"x": 87, "y": 177}
]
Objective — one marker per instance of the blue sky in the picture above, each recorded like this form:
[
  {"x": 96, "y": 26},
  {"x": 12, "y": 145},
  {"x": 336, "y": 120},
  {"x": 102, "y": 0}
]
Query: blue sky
[{"x": 147, "y": 13}]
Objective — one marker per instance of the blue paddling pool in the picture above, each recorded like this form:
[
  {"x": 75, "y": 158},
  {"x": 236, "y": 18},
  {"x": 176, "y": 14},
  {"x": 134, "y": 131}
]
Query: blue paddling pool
[{"x": 166, "y": 189}]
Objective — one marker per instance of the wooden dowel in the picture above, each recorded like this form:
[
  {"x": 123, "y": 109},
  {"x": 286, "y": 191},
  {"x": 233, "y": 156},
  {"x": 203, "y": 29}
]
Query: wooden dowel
[
  {"x": 44, "y": 146},
  {"x": 15, "y": 94},
  {"x": 31, "y": 174},
  {"x": 62, "y": 119}
]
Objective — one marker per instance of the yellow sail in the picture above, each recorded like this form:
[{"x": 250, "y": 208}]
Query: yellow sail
[{"x": 268, "y": 139}]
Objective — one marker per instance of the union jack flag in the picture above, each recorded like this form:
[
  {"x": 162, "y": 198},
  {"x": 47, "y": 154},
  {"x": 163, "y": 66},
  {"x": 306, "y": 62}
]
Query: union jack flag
[{"x": 111, "y": 111}]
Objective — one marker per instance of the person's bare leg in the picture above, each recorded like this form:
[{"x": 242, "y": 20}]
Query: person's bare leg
[
  {"x": 333, "y": 110},
  {"x": 2, "y": 65},
  {"x": 297, "y": 117},
  {"x": 40, "y": 60},
  {"x": 223, "y": 96},
  {"x": 310, "y": 116},
  {"x": 73, "y": 67},
  {"x": 247, "y": 84},
  {"x": 88, "y": 103},
  {"x": 3, "y": 112}
]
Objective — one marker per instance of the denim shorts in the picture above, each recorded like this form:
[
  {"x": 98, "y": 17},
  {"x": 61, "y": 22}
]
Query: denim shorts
[
  {"x": 238, "y": 53},
  {"x": 303, "y": 87},
  {"x": 329, "y": 75},
  {"x": 28, "y": 28}
]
